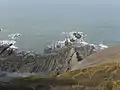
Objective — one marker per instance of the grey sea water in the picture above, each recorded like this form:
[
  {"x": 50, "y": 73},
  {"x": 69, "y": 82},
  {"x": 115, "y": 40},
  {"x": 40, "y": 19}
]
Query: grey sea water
[{"x": 41, "y": 22}]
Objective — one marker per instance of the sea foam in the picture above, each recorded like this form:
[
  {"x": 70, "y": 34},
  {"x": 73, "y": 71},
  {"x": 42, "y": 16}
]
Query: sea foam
[{"x": 74, "y": 38}]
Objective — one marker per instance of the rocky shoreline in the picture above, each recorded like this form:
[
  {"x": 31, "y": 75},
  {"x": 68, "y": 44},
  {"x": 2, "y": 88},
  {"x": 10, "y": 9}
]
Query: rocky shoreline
[
  {"x": 59, "y": 58},
  {"x": 45, "y": 64}
]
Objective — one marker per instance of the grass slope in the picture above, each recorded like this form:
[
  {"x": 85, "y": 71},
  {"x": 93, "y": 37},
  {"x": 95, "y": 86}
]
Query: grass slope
[{"x": 112, "y": 54}]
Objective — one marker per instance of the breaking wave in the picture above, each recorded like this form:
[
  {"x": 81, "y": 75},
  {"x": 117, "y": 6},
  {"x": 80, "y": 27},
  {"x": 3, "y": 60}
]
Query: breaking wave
[
  {"x": 77, "y": 39},
  {"x": 8, "y": 42},
  {"x": 74, "y": 38},
  {"x": 14, "y": 36},
  {"x": 70, "y": 38},
  {"x": 12, "y": 39}
]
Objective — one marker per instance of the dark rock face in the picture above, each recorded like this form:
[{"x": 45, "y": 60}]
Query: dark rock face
[
  {"x": 19, "y": 64},
  {"x": 47, "y": 64},
  {"x": 85, "y": 50}
]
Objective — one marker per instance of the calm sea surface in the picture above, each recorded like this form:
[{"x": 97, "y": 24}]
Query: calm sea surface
[{"x": 40, "y": 24}]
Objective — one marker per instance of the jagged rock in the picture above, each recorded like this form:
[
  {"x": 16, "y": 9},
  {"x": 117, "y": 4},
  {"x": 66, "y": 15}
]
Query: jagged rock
[{"x": 52, "y": 63}]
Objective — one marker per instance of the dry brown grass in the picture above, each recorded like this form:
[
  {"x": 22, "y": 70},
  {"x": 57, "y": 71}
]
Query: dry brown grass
[
  {"x": 102, "y": 77},
  {"x": 112, "y": 54}
]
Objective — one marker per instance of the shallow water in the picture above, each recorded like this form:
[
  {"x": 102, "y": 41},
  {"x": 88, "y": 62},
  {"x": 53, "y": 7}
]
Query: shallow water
[{"x": 40, "y": 24}]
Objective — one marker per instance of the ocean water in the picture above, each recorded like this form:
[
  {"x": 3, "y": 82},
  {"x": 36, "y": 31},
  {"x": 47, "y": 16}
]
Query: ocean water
[{"x": 41, "y": 24}]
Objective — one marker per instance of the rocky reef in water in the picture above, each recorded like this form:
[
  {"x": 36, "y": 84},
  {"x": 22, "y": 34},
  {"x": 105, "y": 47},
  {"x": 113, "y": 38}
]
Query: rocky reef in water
[
  {"x": 69, "y": 64},
  {"x": 53, "y": 63},
  {"x": 55, "y": 60}
]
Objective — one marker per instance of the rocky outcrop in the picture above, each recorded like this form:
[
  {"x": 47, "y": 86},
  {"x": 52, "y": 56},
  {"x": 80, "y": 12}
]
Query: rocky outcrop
[
  {"x": 52, "y": 63},
  {"x": 15, "y": 64}
]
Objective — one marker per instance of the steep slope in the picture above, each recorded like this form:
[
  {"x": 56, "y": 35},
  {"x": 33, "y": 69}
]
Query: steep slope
[
  {"x": 111, "y": 54},
  {"x": 100, "y": 71},
  {"x": 46, "y": 64},
  {"x": 101, "y": 77}
]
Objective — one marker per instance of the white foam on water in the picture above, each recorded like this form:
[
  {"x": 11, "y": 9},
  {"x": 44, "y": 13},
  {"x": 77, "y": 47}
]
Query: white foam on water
[
  {"x": 14, "y": 36},
  {"x": 76, "y": 38},
  {"x": 102, "y": 46},
  {"x": 13, "y": 47},
  {"x": 8, "y": 42}
]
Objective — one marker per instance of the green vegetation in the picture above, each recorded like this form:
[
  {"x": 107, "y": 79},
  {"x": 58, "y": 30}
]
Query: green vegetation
[{"x": 102, "y": 77}]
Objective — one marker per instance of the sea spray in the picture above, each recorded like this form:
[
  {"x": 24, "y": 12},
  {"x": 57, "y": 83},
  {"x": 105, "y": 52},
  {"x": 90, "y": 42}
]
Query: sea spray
[
  {"x": 74, "y": 38},
  {"x": 14, "y": 36},
  {"x": 28, "y": 62}
]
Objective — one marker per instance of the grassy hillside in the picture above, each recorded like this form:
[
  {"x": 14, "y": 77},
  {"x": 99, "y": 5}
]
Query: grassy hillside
[
  {"x": 102, "y": 77},
  {"x": 112, "y": 54}
]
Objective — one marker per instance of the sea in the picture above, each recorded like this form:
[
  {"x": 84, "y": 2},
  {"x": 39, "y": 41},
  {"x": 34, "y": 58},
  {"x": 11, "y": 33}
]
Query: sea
[{"x": 40, "y": 22}]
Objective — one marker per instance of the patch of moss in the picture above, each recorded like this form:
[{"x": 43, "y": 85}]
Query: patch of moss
[{"x": 30, "y": 78}]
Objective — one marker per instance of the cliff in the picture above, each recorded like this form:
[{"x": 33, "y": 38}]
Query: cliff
[{"x": 46, "y": 64}]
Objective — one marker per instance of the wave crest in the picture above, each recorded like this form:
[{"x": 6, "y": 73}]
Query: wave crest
[{"x": 74, "y": 38}]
